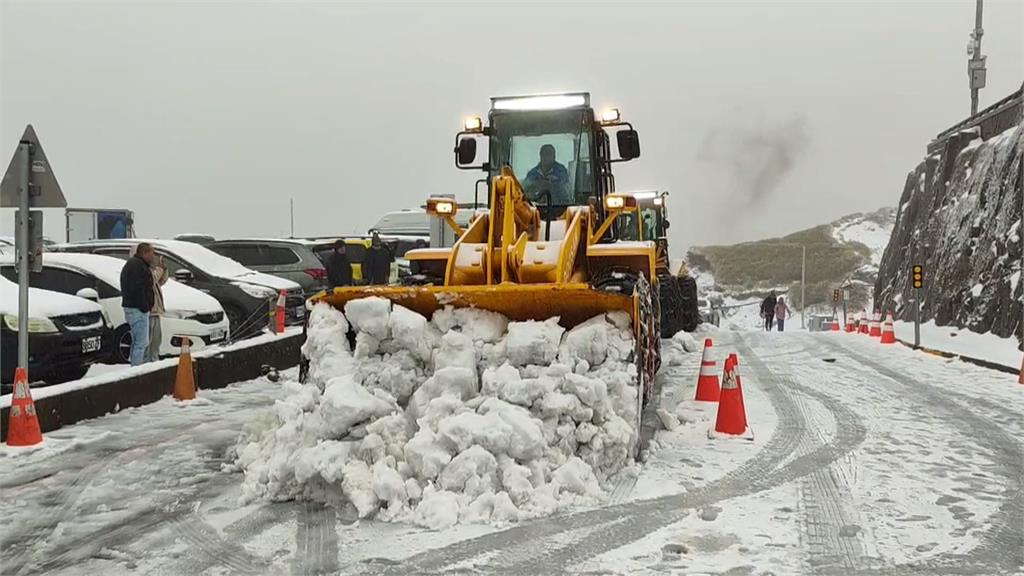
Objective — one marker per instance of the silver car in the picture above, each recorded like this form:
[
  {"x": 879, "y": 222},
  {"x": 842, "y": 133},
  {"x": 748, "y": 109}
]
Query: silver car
[
  {"x": 292, "y": 259},
  {"x": 708, "y": 313}
]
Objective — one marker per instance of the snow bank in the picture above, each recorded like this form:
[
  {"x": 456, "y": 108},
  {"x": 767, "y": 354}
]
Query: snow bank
[{"x": 463, "y": 418}]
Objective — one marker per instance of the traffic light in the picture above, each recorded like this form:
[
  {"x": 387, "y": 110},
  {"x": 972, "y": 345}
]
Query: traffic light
[
  {"x": 835, "y": 295},
  {"x": 918, "y": 272}
]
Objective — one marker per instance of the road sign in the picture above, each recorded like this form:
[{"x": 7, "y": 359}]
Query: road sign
[
  {"x": 918, "y": 275},
  {"x": 45, "y": 191},
  {"x": 35, "y": 239}
]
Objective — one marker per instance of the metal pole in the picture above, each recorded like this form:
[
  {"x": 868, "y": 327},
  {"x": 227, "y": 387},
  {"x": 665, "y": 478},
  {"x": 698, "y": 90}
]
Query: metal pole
[
  {"x": 916, "y": 299},
  {"x": 803, "y": 284},
  {"x": 291, "y": 209},
  {"x": 23, "y": 252},
  {"x": 976, "y": 56}
]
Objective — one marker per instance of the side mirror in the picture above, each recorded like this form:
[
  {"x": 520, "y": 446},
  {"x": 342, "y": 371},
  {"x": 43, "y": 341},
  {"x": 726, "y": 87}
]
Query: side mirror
[
  {"x": 88, "y": 294},
  {"x": 629, "y": 144},
  {"x": 183, "y": 275},
  {"x": 465, "y": 154}
]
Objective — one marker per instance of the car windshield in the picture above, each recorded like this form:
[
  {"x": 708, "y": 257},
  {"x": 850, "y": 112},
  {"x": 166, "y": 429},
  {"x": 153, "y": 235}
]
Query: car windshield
[{"x": 548, "y": 150}]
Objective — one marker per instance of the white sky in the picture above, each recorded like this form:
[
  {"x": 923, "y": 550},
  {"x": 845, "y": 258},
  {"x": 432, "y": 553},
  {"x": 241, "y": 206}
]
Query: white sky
[{"x": 209, "y": 117}]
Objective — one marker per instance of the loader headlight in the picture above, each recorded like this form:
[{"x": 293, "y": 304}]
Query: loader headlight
[
  {"x": 614, "y": 202},
  {"x": 441, "y": 206},
  {"x": 610, "y": 116},
  {"x": 39, "y": 325},
  {"x": 474, "y": 124}
]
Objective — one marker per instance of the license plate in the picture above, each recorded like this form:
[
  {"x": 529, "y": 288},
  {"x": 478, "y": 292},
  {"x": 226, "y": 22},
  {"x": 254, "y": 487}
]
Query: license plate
[
  {"x": 91, "y": 344},
  {"x": 300, "y": 312},
  {"x": 216, "y": 336}
]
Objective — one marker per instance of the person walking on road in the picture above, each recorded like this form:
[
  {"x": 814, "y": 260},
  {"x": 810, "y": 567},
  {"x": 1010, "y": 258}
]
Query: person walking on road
[
  {"x": 782, "y": 312},
  {"x": 159, "y": 273},
  {"x": 339, "y": 269},
  {"x": 377, "y": 264},
  {"x": 137, "y": 299},
  {"x": 768, "y": 311}
]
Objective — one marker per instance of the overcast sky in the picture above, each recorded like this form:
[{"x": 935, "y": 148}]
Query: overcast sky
[{"x": 761, "y": 118}]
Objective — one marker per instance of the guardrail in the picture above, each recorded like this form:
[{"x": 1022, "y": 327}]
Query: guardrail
[{"x": 137, "y": 389}]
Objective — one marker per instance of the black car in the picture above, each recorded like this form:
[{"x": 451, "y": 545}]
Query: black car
[
  {"x": 66, "y": 335},
  {"x": 244, "y": 294}
]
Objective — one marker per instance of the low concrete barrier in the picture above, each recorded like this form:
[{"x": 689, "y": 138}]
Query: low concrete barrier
[{"x": 211, "y": 371}]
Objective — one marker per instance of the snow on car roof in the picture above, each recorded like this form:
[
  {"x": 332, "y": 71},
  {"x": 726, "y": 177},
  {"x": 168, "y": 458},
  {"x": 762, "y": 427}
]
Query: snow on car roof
[
  {"x": 43, "y": 302},
  {"x": 299, "y": 241},
  {"x": 205, "y": 259},
  {"x": 177, "y": 296}
]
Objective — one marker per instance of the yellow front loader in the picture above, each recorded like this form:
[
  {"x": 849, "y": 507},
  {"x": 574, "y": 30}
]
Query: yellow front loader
[{"x": 547, "y": 245}]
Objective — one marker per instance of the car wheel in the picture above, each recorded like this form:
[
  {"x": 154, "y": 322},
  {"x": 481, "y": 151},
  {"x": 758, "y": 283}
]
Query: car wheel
[
  {"x": 122, "y": 353},
  {"x": 67, "y": 374}
]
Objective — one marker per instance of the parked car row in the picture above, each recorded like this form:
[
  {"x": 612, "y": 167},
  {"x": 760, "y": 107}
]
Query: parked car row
[{"x": 220, "y": 290}]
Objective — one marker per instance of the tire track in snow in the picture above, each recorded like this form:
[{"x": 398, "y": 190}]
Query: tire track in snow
[
  {"x": 1002, "y": 544},
  {"x": 526, "y": 548},
  {"x": 316, "y": 540}
]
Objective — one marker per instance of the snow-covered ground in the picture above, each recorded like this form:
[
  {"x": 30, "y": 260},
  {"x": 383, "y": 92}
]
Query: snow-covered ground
[
  {"x": 867, "y": 232},
  {"x": 865, "y": 459},
  {"x": 961, "y": 341}
]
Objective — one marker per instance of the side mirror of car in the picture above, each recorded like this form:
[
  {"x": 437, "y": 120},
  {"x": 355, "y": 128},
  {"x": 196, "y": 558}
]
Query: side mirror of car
[
  {"x": 183, "y": 275},
  {"x": 88, "y": 294},
  {"x": 465, "y": 154},
  {"x": 629, "y": 144}
]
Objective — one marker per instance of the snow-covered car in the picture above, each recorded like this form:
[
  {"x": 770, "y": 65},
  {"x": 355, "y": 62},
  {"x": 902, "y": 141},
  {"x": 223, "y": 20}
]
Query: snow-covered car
[
  {"x": 66, "y": 335},
  {"x": 189, "y": 312},
  {"x": 708, "y": 313},
  {"x": 243, "y": 293}
]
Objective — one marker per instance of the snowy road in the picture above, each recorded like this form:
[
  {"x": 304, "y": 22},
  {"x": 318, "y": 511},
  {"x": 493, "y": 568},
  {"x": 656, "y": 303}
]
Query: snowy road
[{"x": 866, "y": 460}]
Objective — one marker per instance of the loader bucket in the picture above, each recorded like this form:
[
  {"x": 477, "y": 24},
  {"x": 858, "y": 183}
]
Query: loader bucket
[{"x": 571, "y": 303}]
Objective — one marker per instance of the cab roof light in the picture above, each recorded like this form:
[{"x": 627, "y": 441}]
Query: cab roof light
[
  {"x": 474, "y": 124},
  {"x": 545, "y": 102}
]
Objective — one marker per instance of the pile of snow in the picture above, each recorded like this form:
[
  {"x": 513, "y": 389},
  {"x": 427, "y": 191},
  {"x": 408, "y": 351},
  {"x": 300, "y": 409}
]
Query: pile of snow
[{"x": 466, "y": 417}]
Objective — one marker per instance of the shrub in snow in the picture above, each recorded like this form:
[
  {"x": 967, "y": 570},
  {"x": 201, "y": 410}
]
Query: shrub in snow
[{"x": 466, "y": 417}]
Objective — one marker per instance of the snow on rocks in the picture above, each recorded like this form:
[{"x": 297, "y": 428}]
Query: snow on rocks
[{"x": 465, "y": 417}]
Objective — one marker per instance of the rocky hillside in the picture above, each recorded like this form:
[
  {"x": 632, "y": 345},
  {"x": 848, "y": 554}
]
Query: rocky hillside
[
  {"x": 847, "y": 250},
  {"x": 960, "y": 217}
]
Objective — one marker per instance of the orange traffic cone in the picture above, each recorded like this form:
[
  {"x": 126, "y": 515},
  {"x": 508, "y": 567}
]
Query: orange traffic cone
[
  {"x": 864, "y": 322},
  {"x": 279, "y": 313},
  {"x": 849, "y": 324},
  {"x": 888, "y": 333},
  {"x": 732, "y": 416},
  {"x": 835, "y": 324},
  {"x": 876, "y": 325},
  {"x": 184, "y": 381},
  {"x": 707, "y": 379},
  {"x": 22, "y": 423}
]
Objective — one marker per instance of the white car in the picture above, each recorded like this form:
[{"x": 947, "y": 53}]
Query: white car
[
  {"x": 65, "y": 335},
  {"x": 708, "y": 313},
  {"x": 189, "y": 312}
]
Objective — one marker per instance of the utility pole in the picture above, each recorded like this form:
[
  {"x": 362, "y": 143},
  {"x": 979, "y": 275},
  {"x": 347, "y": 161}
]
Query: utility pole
[
  {"x": 23, "y": 159},
  {"x": 976, "y": 62},
  {"x": 803, "y": 285}
]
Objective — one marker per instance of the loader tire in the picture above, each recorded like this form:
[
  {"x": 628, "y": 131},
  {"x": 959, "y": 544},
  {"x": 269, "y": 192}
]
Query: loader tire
[
  {"x": 670, "y": 298},
  {"x": 645, "y": 352},
  {"x": 690, "y": 316}
]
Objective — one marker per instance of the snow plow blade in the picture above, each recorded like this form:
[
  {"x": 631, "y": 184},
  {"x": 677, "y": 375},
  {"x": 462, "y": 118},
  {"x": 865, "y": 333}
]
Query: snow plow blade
[{"x": 571, "y": 303}]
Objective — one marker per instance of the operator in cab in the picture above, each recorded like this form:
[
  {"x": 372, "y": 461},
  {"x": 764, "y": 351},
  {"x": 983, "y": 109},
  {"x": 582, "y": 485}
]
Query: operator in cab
[{"x": 548, "y": 175}]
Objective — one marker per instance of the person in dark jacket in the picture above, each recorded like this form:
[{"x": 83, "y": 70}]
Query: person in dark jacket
[
  {"x": 339, "y": 269},
  {"x": 377, "y": 263},
  {"x": 137, "y": 298},
  {"x": 768, "y": 311}
]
